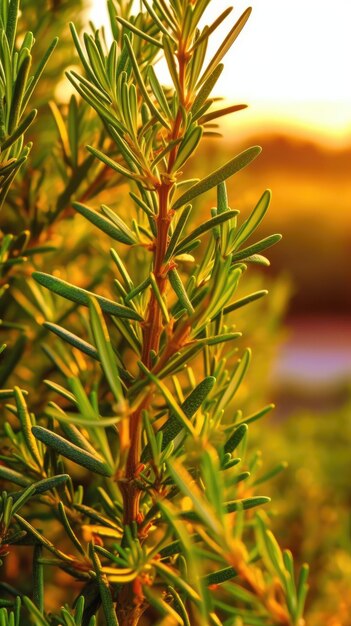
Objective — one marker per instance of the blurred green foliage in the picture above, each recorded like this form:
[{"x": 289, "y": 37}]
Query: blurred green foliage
[{"x": 312, "y": 503}]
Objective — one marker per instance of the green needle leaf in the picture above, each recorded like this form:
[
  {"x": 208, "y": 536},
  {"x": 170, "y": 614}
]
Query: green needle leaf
[
  {"x": 21, "y": 500},
  {"x": 218, "y": 176},
  {"x": 119, "y": 223},
  {"x": 179, "y": 290},
  {"x": 75, "y": 436},
  {"x": 82, "y": 296},
  {"x": 183, "y": 218},
  {"x": 158, "y": 92},
  {"x": 187, "y": 147},
  {"x": 34, "y": 612},
  {"x": 71, "y": 451},
  {"x": 105, "y": 351},
  {"x": 246, "y": 300},
  {"x": 18, "y": 93},
  {"x": 5, "y": 394},
  {"x": 38, "y": 73},
  {"x": 171, "y": 63},
  {"x": 220, "y": 576},
  {"x": 189, "y": 488},
  {"x": 254, "y": 220},
  {"x": 203, "y": 228},
  {"x": 169, "y": 574},
  {"x": 171, "y": 401},
  {"x": 38, "y": 578},
  {"x": 112, "y": 164},
  {"x": 104, "y": 588},
  {"x": 235, "y": 439},
  {"x": 253, "y": 250},
  {"x": 104, "y": 224},
  {"x": 302, "y": 589},
  {"x": 139, "y": 32},
  {"x": 159, "y": 298},
  {"x": 11, "y": 26},
  {"x": 20, "y": 130},
  {"x": 73, "y": 340},
  {"x": 236, "y": 380},
  {"x": 47, "y": 484},
  {"x": 14, "y": 477},
  {"x": 206, "y": 89},
  {"x": 42, "y": 486},
  {"x": 214, "y": 115},
  {"x": 155, "y": 17},
  {"x": 246, "y": 503},
  {"x": 208, "y": 30},
  {"x": 216, "y": 339},
  {"x": 192, "y": 403},
  {"x": 138, "y": 77},
  {"x": 258, "y": 415},
  {"x": 226, "y": 45},
  {"x": 68, "y": 528},
  {"x": 26, "y": 425}
]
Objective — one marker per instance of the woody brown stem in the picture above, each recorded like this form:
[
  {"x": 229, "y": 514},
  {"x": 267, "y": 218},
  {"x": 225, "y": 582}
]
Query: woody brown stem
[
  {"x": 130, "y": 611},
  {"x": 152, "y": 330},
  {"x": 153, "y": 324}
]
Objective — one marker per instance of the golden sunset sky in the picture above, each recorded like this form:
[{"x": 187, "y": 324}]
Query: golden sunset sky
[{"x": 290, "y": 64}]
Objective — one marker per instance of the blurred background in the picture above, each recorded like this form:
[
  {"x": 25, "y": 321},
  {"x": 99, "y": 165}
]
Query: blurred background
[{"x": 291, "y": 66}]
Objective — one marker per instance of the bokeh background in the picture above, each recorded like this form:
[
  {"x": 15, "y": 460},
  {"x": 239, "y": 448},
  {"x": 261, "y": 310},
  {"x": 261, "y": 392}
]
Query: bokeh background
[{"x": 290, "y": 65}]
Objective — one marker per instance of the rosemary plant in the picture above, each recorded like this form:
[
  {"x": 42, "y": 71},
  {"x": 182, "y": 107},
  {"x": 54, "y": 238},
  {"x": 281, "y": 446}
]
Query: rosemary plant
[
  {"x": 34, "y": 218},
  {"x": 164, "y": 523}
]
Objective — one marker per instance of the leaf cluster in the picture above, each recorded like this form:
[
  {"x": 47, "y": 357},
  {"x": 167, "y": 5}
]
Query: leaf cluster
[{"x": 140, "y": 455}]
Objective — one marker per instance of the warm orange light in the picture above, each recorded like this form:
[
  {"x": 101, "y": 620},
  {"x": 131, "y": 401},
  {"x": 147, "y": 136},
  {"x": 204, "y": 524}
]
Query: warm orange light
[{"x": 290, "y": 64}]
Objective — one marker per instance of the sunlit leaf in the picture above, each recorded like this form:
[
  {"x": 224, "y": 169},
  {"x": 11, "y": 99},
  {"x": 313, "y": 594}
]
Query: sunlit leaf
[
  {"x": 104, "y": 224},
  {"x": 71, "y": 451},
  {"x": 217, "y": 177},
  {"x": 82, "y": 296},
  {"x": 105, "y": 350}
]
